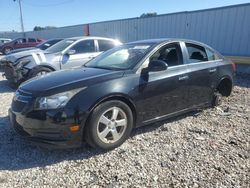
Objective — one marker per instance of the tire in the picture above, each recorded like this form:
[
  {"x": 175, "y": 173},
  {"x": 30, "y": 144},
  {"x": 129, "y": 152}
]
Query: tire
[
  {"x": 104, "y": 121},
  {"x": 14, "y": 85},
  {"x": 216, "y": 100},
  {"x": 39, "y": 71},
  {"x": 6, "y": 50}
]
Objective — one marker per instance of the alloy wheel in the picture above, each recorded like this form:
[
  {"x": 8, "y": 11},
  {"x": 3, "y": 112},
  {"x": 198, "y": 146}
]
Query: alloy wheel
[
  {"x": 41, "y": 73},
  {"x": 111, "y": 125}
]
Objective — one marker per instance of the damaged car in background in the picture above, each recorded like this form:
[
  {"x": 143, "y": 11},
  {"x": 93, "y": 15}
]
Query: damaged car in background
[
  {"x": 19, "y": 43},
  {"x": 68, "y": 53},
  {"x": 24, "y": 52}
]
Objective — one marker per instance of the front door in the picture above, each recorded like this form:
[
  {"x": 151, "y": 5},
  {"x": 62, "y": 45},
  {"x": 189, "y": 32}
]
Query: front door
[
  {"x": 20, "y": 43},
  {"x": 165, "y": 92},
  {"x": 79, "y": 54}
]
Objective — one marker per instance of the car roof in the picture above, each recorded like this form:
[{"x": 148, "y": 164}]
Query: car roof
[
  {"x": 164, "y": 40},
  {"x": 89, "y": 37}
]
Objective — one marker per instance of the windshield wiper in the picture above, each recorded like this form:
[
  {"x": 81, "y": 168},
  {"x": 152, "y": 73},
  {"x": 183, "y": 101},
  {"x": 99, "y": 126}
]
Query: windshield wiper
[{"x": 98, "y": 67}]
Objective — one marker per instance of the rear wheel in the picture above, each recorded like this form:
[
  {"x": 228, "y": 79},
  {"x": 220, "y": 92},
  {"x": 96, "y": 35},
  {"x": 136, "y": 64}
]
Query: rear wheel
[
  {"x": 39, "y": 71},
  {"x": 216, "y": 101},
  {"x": 110, "y": 124}
]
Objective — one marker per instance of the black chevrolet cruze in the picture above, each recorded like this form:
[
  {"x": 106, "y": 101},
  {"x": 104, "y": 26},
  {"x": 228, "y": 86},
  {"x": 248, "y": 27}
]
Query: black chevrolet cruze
[{"x": 129, "y": 86}]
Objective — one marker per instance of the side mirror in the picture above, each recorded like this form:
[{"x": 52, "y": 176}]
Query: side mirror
[
  {"x": 71, "y": 52},
  {"x": 157, "y": 65}
]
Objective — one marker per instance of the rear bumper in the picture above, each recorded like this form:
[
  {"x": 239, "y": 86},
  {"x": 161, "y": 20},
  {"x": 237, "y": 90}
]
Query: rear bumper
[{"x": 44, "y": 133}]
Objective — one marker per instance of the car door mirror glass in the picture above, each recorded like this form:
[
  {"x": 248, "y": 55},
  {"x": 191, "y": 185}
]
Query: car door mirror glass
[{"x": 157, "y": 65}]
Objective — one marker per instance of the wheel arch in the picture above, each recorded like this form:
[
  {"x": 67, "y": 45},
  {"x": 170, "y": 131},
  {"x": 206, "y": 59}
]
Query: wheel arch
[
  {"x": 121, "y": 97},
  {"x": 46, "y": 66},
  {"x": 225, "y": 86}
]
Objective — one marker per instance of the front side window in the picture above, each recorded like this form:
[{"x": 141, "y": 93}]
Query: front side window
[
  {"x": 85, "y": 46},
  {"x": 105, "y": 45},
  {"x": 20, "y": 41},
  {"x": 170, "y": 54},
  {"x": 120, "y": 58},
  {"x": 196, "y": 53}
]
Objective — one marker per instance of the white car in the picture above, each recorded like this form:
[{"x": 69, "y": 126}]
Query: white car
[{"x": 68, "y": 53}]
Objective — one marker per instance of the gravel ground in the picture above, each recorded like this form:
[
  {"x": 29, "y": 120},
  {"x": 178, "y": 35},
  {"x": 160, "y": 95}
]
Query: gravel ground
[{"x": 209, "y": 148}]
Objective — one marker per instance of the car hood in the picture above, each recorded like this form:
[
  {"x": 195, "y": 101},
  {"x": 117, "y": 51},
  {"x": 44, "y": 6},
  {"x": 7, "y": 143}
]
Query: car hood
[
  {"x": 21, "y": 50},
  {"x": 65, "y": 80},
  {"x": 13, "y": 57},
  {"x": 36, "y": 55}
]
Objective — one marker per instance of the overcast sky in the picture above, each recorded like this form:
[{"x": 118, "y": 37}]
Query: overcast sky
[{"x": 72, "y": 12}]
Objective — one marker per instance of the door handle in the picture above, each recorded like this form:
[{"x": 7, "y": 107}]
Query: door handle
[
  {"x": 91, "y": 57},
  {"x": 212, "y": 70},
  {"x": 183, "y": 77}
]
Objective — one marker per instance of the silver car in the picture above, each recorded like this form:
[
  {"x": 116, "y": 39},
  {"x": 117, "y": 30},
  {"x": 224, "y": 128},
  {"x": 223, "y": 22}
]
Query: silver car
[{"x": 68, "y": 53}]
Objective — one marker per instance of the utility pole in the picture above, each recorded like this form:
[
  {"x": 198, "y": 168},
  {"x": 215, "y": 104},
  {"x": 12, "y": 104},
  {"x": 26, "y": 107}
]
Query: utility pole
[{"x": 21, "y": 16}]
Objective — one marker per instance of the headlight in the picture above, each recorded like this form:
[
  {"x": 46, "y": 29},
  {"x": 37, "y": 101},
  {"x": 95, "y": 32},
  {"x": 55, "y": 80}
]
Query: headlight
[
  {"x": 21, "y": 63},
  {"x": 55, "y": 101}
]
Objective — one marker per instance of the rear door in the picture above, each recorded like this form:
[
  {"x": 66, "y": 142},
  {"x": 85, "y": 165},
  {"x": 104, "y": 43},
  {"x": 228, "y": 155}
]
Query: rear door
[
  {"x": 84, "y": 51},
  {"x": 201, "y": 72},
  {"x": 31, "y": 42},
  {"x": 163, "y": 92}
]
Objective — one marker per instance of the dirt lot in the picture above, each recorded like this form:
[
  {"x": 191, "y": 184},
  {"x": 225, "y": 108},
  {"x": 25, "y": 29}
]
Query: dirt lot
[{"x": 210, "y": 148}]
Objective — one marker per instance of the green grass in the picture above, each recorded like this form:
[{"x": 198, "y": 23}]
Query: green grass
[{"x": 240, "y": 59}]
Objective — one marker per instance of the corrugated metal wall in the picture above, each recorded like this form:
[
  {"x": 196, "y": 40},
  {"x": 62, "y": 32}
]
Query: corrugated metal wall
[
  {"x": 227, "y": 29},
  {"x": 61, "y": 32}
]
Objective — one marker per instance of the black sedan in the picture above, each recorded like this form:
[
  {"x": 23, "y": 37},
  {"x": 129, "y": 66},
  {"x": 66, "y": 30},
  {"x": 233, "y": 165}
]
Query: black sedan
[{"x": 128, "y": 86}]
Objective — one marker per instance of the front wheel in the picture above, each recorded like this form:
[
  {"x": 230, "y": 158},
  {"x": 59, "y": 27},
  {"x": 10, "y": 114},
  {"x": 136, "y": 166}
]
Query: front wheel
[
  {"x": 39, "y": 71},
  {"x": 7, "y": 50},
  {"x": 110, "y": 124}
]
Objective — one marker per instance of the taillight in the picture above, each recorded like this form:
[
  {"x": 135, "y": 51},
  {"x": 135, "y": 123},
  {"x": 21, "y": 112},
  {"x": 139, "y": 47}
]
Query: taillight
[{"x": 233, "y": 65}]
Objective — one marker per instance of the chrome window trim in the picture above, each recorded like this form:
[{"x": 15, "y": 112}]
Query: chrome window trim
[{"x": 202, "y": 62}]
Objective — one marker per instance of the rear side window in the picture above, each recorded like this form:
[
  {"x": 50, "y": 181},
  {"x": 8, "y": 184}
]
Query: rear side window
[
  {"x": 105, "y": 45},
  {"x": 212, "y": 55},
  {"x": 31, "y": 40},
  {"x": 170, "y": 53},
  {"x": 196, "y": 53},
  {"x": 85, "y": 46}
]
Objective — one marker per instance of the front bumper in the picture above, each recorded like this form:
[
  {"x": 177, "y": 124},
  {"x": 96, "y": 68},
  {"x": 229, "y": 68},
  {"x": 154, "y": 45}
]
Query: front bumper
[
  {"x": 45, "y": 133},
  {"x": 13, "y": 74}
]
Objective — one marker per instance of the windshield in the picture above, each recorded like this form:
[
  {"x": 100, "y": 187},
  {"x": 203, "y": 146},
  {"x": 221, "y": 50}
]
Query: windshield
[
  {"x": 60, "y": 46},
  {"x": 120, "y": 58},
  {"x": 47, "y": 44}
]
